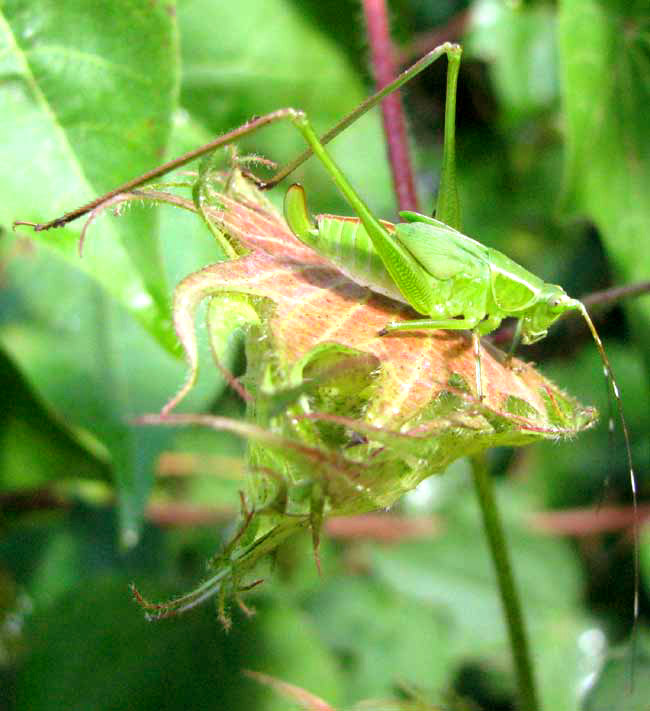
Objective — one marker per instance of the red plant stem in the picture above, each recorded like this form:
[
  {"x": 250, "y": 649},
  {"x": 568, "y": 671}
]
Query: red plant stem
[
  {"x": 451, "y": 31},
  {"x": 382, "y": 57}
]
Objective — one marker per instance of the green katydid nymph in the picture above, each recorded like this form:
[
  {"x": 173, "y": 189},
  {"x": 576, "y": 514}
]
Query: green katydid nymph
[{"x": 450, "y": 279}]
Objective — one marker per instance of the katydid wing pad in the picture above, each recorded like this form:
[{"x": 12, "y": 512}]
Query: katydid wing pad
[
  {"x": 514, "y": 288},
  {"x": 442, "y": 251}
]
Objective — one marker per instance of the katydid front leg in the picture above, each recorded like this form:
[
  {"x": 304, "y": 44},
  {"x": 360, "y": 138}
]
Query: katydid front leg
[
  {"x": 427, "y": 324},
  {"x": 448, "y": 325}
]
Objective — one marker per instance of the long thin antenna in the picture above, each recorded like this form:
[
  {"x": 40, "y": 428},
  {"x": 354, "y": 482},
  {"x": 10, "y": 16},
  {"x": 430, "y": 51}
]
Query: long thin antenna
[{"x": 609, "y": 375}]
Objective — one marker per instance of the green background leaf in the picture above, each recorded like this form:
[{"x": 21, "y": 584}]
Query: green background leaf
[{"x": 605, "y": 50}]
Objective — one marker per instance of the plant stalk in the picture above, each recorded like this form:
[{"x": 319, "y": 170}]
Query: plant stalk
[
  {"x": 383, "y": 63},
  {"x": 509, "y": 597}
]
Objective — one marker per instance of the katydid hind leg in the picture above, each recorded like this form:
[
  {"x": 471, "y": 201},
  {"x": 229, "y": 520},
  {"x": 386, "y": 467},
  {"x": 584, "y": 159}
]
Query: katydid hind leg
[
  {"x": 223, "y": 140},
  {"x": 448, "y": 203},
  {"x": 453, "y": 52},
  {"x": 409, "y": 276}
]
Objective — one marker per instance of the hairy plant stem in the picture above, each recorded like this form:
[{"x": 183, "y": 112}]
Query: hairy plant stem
[{"x": 509, "y": 597}]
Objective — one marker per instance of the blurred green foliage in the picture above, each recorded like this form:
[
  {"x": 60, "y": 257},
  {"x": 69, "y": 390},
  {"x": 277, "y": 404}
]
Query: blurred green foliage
[{"x": 554, "y": 170}]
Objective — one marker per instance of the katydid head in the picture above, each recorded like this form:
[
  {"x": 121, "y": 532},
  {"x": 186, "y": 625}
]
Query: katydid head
[{"x": 551, "y": 303}]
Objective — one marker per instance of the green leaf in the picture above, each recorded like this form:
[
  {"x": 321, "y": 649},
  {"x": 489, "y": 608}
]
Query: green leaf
[
  {"x": 519, "y": 42},
  {"x": 272, "y": 56},
  {"x": 605, "y": 60},
  {"x": 88, "y": 92},
  {"x": 35, "y": 446},
  {"x": 94, "y": 366},
  {"x": 87, "y": 100}
]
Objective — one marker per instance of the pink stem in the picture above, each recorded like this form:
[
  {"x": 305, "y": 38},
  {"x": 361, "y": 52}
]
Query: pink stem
[{"x": 382, "y": 56}]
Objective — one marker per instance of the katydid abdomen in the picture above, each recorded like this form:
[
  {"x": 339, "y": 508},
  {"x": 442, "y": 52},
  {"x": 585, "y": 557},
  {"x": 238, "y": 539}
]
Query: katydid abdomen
[{"x": 345, "y": 242}]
